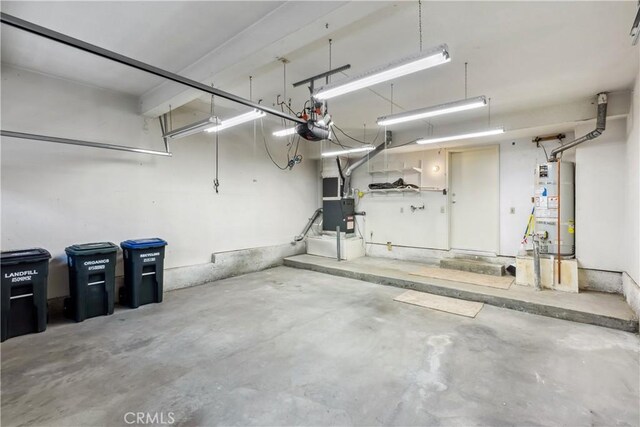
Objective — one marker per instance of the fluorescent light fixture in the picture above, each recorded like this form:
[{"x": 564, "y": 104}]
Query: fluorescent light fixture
[
  {"x": 635, "y": 28},
  {"x": 191, "y": 129},
  {"x": 437, "y": 110},
  {"x": 234, "y": 121},
  {"x": 285, "y": 132},
  {"x": 427, "y": 59},
  {"x": 462, "y": 136},
  {"x": 348, "y": 151}
]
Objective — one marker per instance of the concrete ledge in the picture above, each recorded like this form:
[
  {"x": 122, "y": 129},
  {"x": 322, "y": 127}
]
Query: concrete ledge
[
  {"x": 593, "y": 308},
  {"x": 472, "y": 266},
  {"x": 631, "y": 293},
  {"x": 229, "y": 264},
  {"x": 222, "y": 265}
]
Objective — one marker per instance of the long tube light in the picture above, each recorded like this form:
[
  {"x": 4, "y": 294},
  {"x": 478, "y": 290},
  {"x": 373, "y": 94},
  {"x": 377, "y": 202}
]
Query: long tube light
[
  {"x": 437, "y": 110},
  {"x": 348, "y": 151},
  {"x": 285, "y": 132},
  {"x": 461, "y": 136},
  {"x": 423, "y": 60},
  {"x": 192, "y": 128},
  {"x": 234, "y": 121}
]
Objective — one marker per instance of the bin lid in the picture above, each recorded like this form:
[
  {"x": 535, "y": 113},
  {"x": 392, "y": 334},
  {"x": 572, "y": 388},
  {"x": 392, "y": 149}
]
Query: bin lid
[
  {"x": 153, "y": 242},
  {"x": 91, "y": 248},
  {"x": 24, "y": 255}
]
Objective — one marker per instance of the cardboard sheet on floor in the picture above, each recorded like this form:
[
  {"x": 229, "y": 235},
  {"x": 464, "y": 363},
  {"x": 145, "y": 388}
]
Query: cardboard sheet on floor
[
  {"x": 503, "y": 282},
  {"x": 440, "y": 303}
]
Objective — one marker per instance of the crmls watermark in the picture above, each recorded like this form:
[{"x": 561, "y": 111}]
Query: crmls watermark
[{"x": 149, "y": 418}]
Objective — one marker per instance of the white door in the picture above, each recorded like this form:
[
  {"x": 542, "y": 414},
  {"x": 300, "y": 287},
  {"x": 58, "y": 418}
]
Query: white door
[{"x": 474, "y": 200}]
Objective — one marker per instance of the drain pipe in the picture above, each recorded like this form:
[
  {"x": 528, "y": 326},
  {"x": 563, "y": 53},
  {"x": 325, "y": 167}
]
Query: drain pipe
[{"x": 601, "y": 123}]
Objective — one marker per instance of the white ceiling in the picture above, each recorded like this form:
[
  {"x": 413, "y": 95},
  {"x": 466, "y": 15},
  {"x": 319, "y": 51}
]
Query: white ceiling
[{"x": 521, "y": 54}]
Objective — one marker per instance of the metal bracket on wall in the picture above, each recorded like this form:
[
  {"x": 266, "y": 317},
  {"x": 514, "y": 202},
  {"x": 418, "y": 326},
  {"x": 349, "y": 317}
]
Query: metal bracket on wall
[
  {"x": 47, "y": 138},
  {"x": 538, "y": 139}
]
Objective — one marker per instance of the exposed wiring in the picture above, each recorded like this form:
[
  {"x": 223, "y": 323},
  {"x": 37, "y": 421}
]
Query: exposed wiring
[
  {"x": 266, "y": 146},
  {"x": 357, "y": 140}
]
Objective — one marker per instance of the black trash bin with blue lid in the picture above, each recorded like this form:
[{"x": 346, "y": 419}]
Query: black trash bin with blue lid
[
  {"x": 92, "y": 280},
  {"x": 24, "y": 291},
  {"x": 143, "y": 271}
]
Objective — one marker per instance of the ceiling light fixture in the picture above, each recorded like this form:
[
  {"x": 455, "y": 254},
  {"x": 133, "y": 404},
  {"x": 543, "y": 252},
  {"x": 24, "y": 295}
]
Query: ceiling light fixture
[
  {"x": 285, "y": 132},
  {"x": 437, "y": 110},
  {"x": 423, "y": 60},
  {"x": 635, "y": 28},
  {"x": 234, "y": 121},
  {"x": 461, "y": 136},
  {"x": 348, "y": 151},
  {"x": 191, "y": 129}
]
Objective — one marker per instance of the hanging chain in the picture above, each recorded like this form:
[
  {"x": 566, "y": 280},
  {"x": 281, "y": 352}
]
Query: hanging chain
[
  {"x": 329, "y": 76},
  {"x": 284, "y": 80},
  {"x": 216, "y": 182},
  {"x": 250, "y": 88},
  {"x": 465, "y": 79},
  {"x": 391, "y": 98},
  {"x": 489, "y": 118},
  {"x": 420, "y": 22}
]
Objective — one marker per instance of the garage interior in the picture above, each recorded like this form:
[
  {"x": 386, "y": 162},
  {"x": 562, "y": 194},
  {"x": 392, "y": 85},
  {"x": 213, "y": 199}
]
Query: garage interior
[{"x": 320, "y": 213}]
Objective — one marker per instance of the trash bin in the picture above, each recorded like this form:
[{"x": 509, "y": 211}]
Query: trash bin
[
  {"x": 92, "y": 280},
  {"x": 24, "y": 291},
  {"x": 143, "y": 271}
]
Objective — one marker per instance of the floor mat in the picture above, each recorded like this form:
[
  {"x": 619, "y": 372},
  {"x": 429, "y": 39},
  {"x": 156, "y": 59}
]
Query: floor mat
[
  {"x": 440, "y": 303},
  {"x": 500, "y": 282}
]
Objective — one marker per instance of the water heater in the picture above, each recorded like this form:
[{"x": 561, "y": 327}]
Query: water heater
[{"x": 555, "y": 208}]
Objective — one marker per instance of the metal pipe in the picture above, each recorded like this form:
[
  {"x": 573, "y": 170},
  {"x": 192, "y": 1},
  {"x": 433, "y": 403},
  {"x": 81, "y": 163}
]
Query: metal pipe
[
  {"x": 11, "y": 134},
  {"x": 537, "y": 285},
  {"x": 601, "y": 124},
  {"x": 306, "y": 229},
  {"x": 116, "y": 57},
  {"x": 338, "y": 242}
]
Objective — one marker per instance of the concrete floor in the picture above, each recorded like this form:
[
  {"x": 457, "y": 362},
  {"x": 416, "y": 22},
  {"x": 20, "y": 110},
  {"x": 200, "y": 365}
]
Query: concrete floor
[{"x": 290, "y": 347}]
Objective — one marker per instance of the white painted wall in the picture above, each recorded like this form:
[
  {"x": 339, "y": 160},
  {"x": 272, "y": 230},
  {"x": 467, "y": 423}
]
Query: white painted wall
[
  {"x": 601, "y": 183},
  {"x": 55, "y": 195},
  {"x": 632, "y": 194},
  {"x": 600, "y": 198}
]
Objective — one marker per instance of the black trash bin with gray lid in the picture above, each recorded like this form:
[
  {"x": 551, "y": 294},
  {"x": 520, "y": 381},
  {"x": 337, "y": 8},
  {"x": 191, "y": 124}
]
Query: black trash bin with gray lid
[
  {"x": 92, "y": 277},
  {"x": 24, "y": 291},
  {"x": 143, "y": 271}
]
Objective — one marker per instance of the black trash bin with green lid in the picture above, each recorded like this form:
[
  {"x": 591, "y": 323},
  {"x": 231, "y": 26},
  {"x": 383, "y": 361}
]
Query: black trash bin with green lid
[
  {"x": 24, "y": 291},
  {"x": 92, "y": 280},
  {"x": 143, "y": 271}
]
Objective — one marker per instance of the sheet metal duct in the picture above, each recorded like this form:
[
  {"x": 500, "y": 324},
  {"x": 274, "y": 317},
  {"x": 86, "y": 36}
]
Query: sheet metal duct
[{"x": 601, "y": 123}]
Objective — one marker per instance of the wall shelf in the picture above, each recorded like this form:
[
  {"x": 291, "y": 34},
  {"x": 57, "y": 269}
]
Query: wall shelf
[
  {"x": 396, "y": 170},
  {"x": 404, "y": 190}
]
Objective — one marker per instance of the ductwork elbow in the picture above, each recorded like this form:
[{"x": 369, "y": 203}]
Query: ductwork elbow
[{"x": 601, "y": 124}]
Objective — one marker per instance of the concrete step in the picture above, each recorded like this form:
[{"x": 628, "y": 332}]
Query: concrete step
[
  {"x": 472, "y": 266},
  {"x": 595, "y": 308}
]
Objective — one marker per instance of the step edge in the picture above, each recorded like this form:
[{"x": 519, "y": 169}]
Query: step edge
[{"x": 572, "y": 315}]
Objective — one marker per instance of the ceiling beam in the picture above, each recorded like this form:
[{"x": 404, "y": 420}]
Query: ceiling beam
[
  {"x": 285, "y": 29},
  {"x": 116, "y": 57}
]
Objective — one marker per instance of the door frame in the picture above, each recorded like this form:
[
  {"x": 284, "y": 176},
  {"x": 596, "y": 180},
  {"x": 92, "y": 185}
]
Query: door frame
[{"x": 450, "y": 152}]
